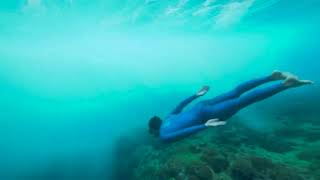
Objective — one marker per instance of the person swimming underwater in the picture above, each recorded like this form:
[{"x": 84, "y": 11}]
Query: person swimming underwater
[{"x": 216, "y": 111}]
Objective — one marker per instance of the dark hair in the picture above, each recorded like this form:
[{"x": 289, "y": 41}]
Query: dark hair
[{"x": 154, "y": 125}]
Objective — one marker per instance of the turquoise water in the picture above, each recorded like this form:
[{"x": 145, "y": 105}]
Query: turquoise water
[{"x": 76, "y": 75}]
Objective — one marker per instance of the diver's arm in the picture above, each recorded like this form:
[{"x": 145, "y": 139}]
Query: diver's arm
[
  {"x": 184, "y": 103},
  {"x": 190, "y": 130},
  {"x": 181, "y": 133}
]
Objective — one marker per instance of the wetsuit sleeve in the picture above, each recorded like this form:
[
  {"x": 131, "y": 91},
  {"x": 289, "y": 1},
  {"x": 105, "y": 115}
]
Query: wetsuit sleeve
[
  {"x": 183, "y": 104},
  {"x": 182, "y": 133}
]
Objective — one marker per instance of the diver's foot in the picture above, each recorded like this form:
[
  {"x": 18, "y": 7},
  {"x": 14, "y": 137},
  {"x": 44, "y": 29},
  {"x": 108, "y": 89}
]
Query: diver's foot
[
  {"x": 293, "y": 81},
  {"x": 278, "y": 75}
]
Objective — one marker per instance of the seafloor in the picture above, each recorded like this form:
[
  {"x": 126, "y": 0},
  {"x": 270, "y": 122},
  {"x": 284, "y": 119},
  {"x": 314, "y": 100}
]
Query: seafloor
[{"x": 289, "y": 151}]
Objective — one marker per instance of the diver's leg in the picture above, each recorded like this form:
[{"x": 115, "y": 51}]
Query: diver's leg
[
  {"x": 228, "y": 108},
  {"x": 221, "y": 111},
  {"x": 246, "y": 86},
  {"x": 224, "y": 110},
  {"x": 261, "y": 94}
]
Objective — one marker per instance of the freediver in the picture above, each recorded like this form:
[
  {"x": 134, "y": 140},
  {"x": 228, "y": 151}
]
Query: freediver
[{"x": 215, "y": 112}]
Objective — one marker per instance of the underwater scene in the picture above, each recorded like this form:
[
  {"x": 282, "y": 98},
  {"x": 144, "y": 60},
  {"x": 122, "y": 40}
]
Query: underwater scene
[{"x": 94, "y": 90}]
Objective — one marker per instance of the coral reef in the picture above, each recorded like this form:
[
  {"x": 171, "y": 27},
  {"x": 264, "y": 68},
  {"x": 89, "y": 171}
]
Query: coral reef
[
  {"x": 290, "y": 151},
  {"x": 251, "y": 168},
  {"x": 243, "y": 170}
]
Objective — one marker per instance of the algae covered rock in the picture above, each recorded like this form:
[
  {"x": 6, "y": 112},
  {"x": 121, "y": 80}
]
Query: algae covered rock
[
  {"x": 218, "y": 155},
  {"x": 252, "y": 168},
  {"x": 310, "y": 153},
  {"x": 172, "y": 168},
  {"x": 201, "y": 171},
  {"x": 285, "y": 173},
  {"x": 217, "y": 163},
  {"x": 192, "y": 177},
  {"x": 242, "y": 170},
  {"x": 261, "y": 164}
]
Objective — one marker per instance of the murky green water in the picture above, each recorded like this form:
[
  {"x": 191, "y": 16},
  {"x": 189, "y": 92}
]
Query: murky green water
[{"x": 76, "y": 75}]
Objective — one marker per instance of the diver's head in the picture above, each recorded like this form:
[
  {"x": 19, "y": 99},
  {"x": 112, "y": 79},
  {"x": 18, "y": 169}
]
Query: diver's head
[{"x": 154, "y": 125}]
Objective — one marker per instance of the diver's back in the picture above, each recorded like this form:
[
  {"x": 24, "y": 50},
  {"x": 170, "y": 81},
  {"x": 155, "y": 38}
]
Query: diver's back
[{"x": 182, "y": 120}]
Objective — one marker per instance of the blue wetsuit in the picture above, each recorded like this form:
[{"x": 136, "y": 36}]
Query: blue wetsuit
[{"x": 180, "y": 124}]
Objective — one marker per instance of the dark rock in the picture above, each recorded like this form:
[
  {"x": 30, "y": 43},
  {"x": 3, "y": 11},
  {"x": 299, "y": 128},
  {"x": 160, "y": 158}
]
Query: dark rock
[
  {"x": 193, "y": 177},
  {"x": 289, "y": 132},
  {"x": 243, "y": 170},
  {"x": 172, "y": 168},
  {"x": 201, "y": 170},
  {"x": 252, "y": 168},
  {"x": 310, "y": 153},
  {"x": 195, "y": 148},
  {"x": 204, "y": 173},
  {"x": 283, "y": 173},
  {"x": 274, "y": 144},
  {"x": 261, "y": 164},
  {"x": 312, "y": 136},
  {"x": 217, "y": 163},
  {"x": 210, "y": 152}
]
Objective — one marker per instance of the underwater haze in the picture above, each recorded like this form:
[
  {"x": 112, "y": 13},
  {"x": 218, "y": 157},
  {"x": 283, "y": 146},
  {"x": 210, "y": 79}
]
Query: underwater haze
[{"x": 79, "y": 78}]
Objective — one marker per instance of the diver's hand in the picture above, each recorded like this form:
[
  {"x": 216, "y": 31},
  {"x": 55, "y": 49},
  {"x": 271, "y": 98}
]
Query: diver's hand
[
  {"x": 203, "y": 91},
  {"x": 215, "y": 122}
]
